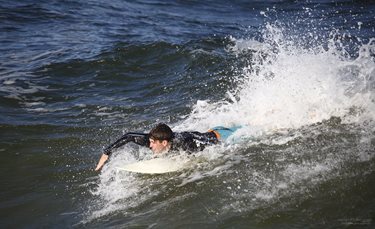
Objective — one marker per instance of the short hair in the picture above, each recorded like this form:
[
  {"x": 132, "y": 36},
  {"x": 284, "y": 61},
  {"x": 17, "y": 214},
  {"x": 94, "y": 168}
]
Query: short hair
[{"x": 161, "y": 132}]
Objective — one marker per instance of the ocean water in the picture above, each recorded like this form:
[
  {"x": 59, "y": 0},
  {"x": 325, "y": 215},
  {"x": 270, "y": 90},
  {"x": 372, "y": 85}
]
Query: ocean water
[{"x": 298, "y": 75}]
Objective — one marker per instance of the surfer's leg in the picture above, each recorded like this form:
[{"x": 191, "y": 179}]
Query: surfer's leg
[{"x": 223, "y": 133}]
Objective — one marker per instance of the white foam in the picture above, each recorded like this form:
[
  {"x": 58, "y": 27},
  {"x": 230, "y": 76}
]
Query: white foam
[
  {"x": 291, "y": 87},
  {"x": 115, "y": 186},
  {"x": 9, "y": 82},
  {"x": 284, "y": 89},
  {"x": 31, "y": 104},
  {"x": 45, "y": 110},
  {"x": 80, "y": 105}
]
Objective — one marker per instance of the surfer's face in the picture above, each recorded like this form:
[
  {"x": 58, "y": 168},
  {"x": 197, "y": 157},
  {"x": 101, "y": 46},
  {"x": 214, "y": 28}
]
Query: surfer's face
[{"x": 158, "y": 146}]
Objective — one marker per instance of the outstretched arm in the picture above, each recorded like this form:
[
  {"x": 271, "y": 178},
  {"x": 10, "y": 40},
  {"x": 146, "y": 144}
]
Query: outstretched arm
[
  {"x": 101, "y": 162},
  {"x": 140, "y": 139}
]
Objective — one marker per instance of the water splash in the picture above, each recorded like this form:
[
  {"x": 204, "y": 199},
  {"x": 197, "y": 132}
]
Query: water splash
[
  {"x": 283, "y": 89},
  {"x": 286, "y": 86}
]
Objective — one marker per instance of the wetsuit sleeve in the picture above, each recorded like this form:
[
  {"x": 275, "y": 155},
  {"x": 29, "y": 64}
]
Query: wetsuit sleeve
[
  {"x": 193, "y": 141},
  {"x": 137, "y": 138},
  {"x": 201, "y": 140}
]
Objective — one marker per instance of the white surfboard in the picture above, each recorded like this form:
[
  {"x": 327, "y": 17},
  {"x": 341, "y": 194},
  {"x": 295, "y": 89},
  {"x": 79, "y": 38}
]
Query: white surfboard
[{"x": 155, "y": 166}]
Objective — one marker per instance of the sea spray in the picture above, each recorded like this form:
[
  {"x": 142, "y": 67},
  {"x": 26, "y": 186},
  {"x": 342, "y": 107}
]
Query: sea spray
[
  {"x": 287, "y": 86},
  {"x": 297, "y": 106}
]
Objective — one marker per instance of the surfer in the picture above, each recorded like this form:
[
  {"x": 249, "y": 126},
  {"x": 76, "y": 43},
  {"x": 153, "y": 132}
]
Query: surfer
[{"x": 162, "y": 139}]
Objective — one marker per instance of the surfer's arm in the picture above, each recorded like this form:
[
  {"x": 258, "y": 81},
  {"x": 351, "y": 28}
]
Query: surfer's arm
[
  {"x": 137, "y": 138},
  {"x": 196, "y": 141},
  {"x": 101, "y": 162}
]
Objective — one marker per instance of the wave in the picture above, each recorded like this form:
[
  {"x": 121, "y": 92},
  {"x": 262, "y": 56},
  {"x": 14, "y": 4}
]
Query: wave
[
  {"x": 286, "y": 86},
  {"x": 304, "y": 110}
]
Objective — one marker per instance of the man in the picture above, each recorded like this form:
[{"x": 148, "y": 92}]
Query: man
[{"x": 162, "y": 139}]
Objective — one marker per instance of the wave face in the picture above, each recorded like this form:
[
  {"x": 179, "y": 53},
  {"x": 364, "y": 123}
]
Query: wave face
[{"x": 298, "y": 77}]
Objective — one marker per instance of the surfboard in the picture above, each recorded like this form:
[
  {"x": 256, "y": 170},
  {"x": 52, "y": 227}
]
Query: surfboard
[{"x": 155, "y": 166}]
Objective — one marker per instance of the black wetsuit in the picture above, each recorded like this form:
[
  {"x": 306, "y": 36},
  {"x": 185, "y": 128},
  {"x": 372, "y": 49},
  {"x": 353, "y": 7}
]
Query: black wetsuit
[{"x": 187, "y": 141}]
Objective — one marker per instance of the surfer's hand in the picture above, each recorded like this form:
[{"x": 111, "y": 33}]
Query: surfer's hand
[{"x": 101, "y": 162}]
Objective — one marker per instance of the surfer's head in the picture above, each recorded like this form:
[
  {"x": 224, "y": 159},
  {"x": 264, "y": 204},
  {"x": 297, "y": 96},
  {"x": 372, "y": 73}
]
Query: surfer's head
[{"x": 160, "y": 138}]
